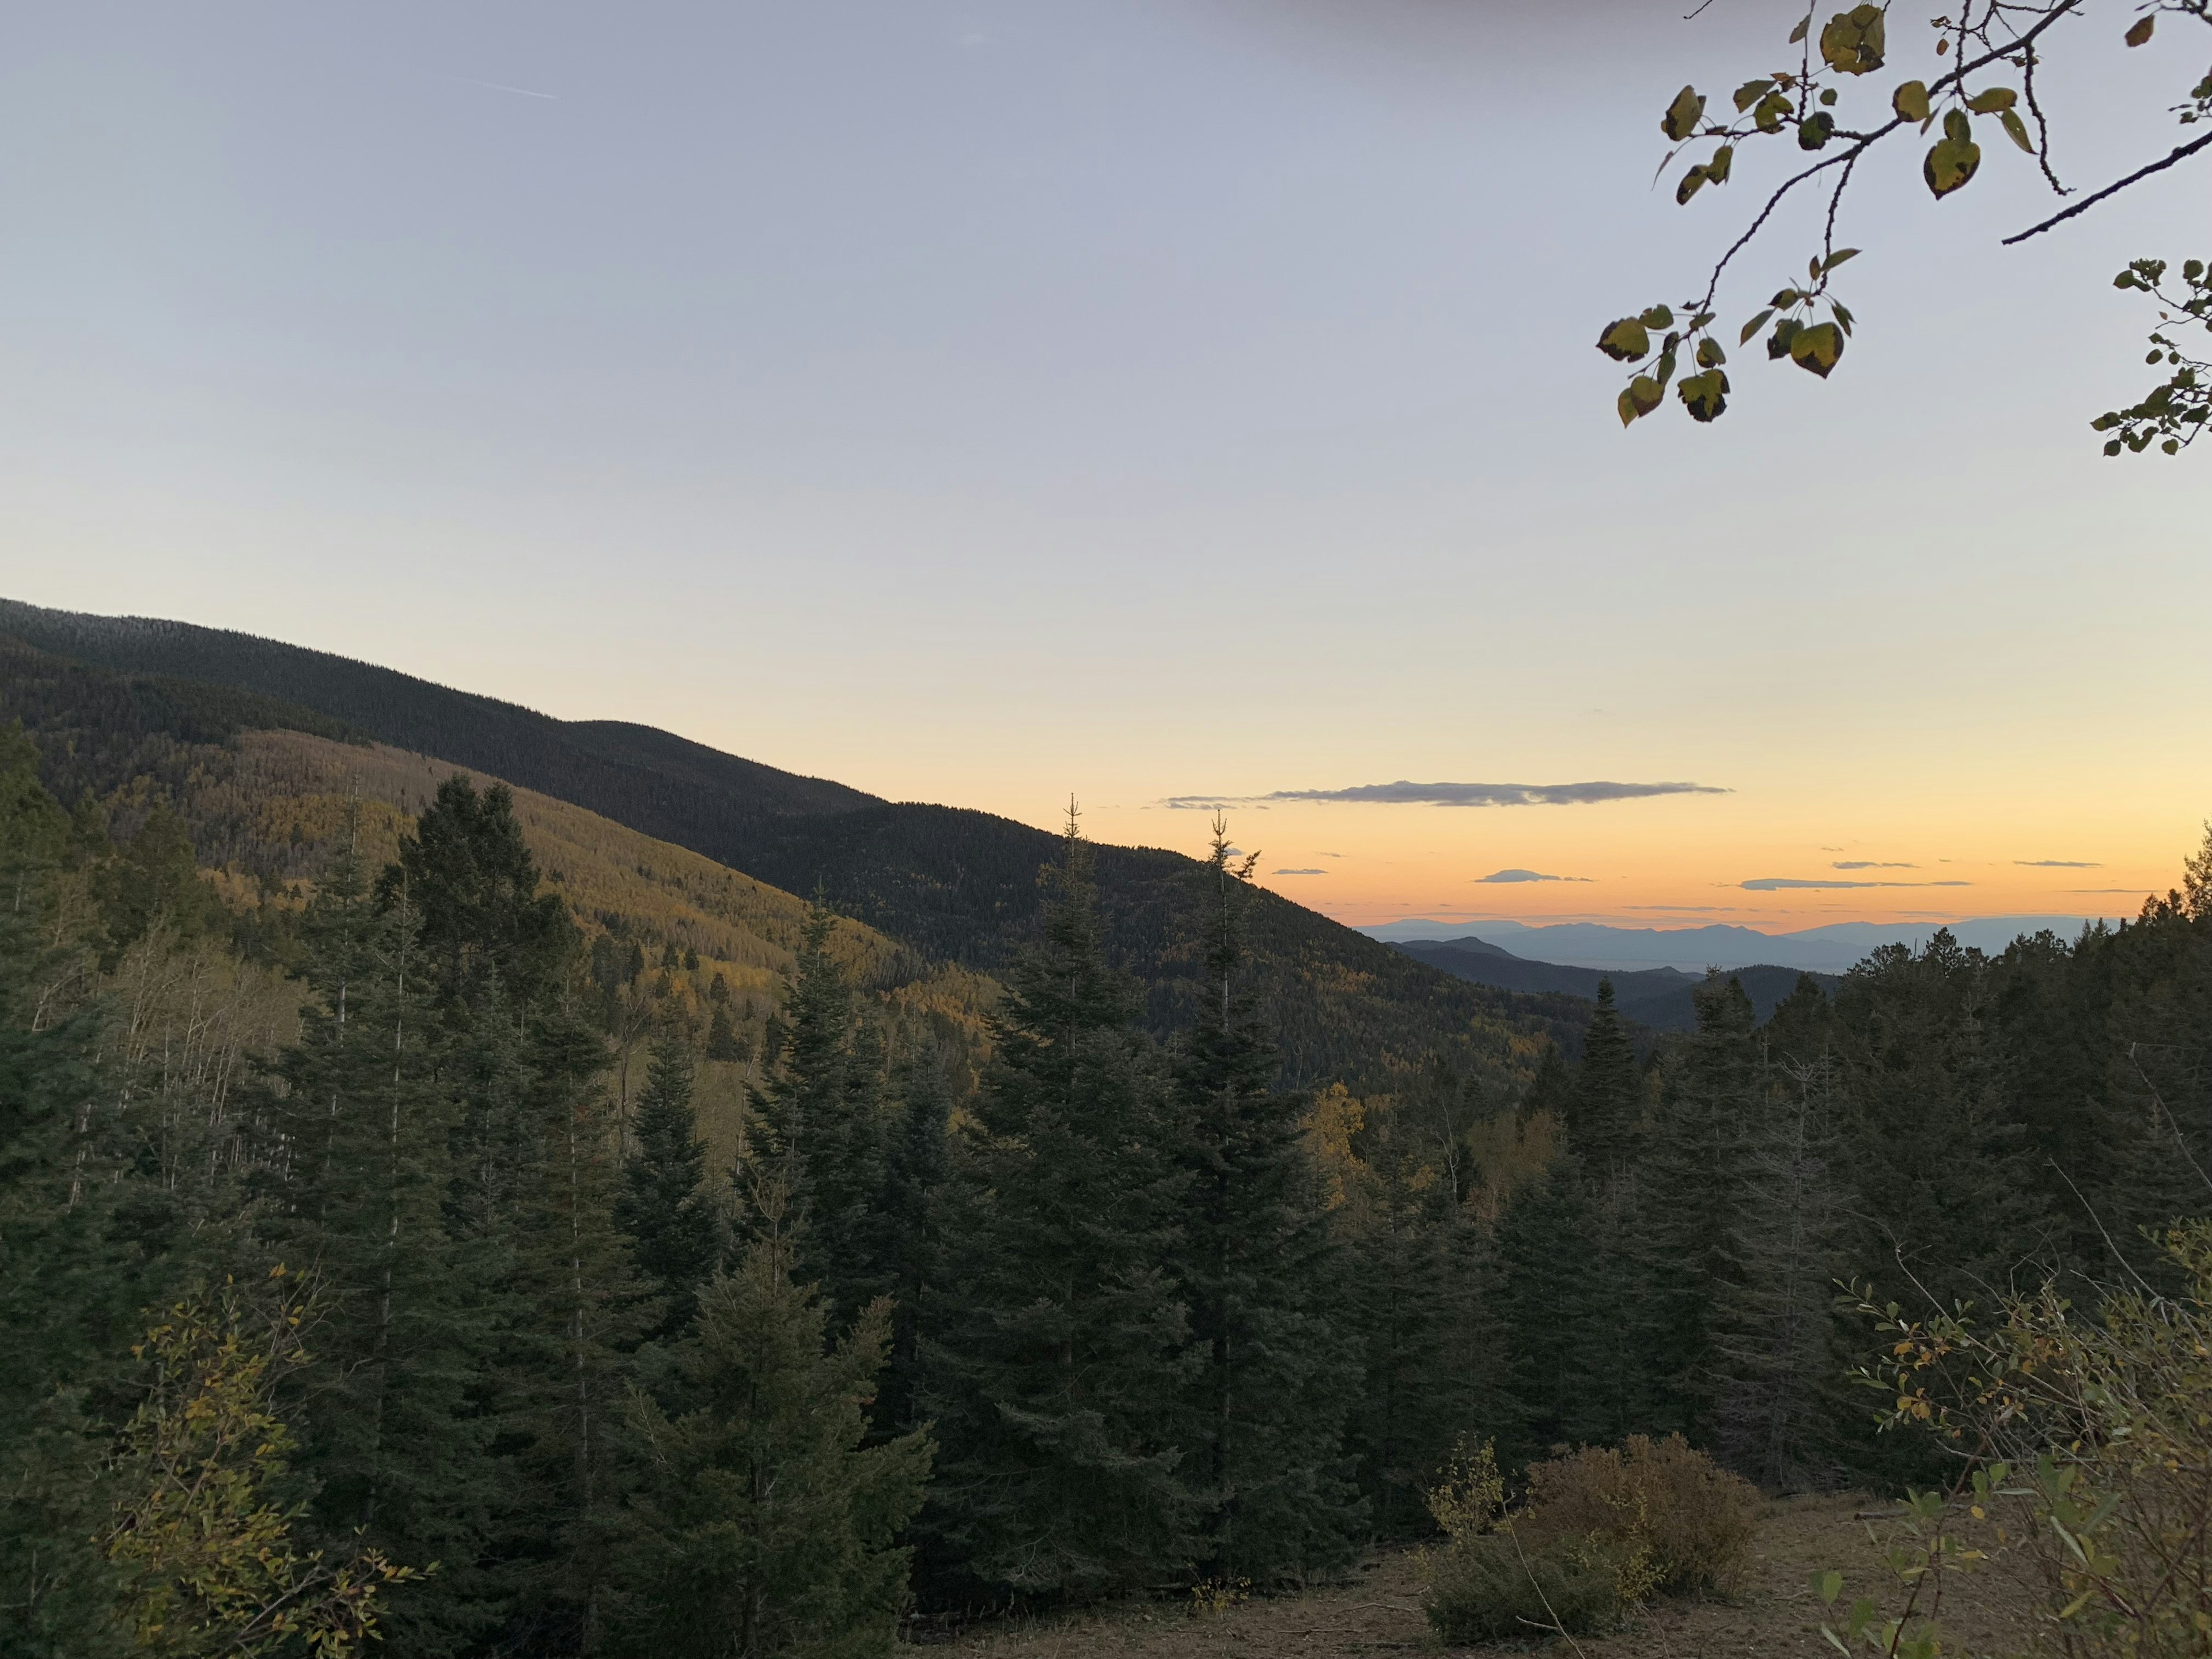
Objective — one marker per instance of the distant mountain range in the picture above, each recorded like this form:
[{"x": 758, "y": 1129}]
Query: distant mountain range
[
  {"x": 1657, "y": 997},
  {"x": 955, "y": 885},
  {"x": 1832, "y": 949}
]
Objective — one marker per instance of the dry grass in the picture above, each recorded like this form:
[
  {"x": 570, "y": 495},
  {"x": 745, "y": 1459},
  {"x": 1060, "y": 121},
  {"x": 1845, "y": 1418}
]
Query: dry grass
[{"x": 1775, "y": 1612}]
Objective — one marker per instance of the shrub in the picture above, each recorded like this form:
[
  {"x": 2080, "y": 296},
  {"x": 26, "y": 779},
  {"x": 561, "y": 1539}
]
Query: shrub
[
  {"x": 1690, "y": 1519},
  {"x": 1487, "y": 1589}
]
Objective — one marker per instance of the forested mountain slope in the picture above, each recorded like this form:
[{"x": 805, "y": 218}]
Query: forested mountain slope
[
  {"x": 955, "y": 885},
  {"x": 1657, "y": 997}
]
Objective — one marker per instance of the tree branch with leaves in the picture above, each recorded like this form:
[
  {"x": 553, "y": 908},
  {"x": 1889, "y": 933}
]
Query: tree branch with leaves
[{"x": 1984, "y": 75}]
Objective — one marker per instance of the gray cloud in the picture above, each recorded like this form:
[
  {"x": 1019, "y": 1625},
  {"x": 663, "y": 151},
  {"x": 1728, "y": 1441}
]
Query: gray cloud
[
  {"x": 2056, "y": 863},
  {"x": 1297, "y": 873},
  {"x": 1403, "y": 793},
  {"x": 1501, "y": 876},
  {"x": 1781, "y": 883},
  {"x": 1700, "y": 909},
  {"x": 1869, "y": 864}
]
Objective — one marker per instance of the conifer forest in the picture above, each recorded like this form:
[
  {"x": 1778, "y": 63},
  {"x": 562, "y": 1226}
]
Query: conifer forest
[{"x": 382, "y": 1271}]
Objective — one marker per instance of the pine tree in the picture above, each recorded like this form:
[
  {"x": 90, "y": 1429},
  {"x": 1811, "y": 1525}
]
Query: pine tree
[
  {"x": 400, "y": 1451},
  {"x": 1691, "y": 1185},
  {"x": 1779, "y": 1399},
  {"x": 664, "y": 1208},
  {"x": 1418, "y": 1304},
  {"x": 917, "y": 1168},
  {"x": 1542, "y": 1275},
  {"x": 1602, "y": 1112},
  {"x": 1275, "y": 1377},
  {"x": 1057, "y": 1371},
  {"x": 69, "y": 1280},
  {"x": 761, "y": 1526}
]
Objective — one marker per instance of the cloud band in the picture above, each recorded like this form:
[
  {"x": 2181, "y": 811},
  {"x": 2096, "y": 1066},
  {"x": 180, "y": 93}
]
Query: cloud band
[{"x": 1405, "y": 794}]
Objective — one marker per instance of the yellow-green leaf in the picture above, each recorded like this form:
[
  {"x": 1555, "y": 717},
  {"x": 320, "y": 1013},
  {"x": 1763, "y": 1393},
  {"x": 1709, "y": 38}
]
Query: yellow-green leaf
[
  {"x": 1717, "y": 170},
  {"x": 1751, "y": 92},
  {"x": 1950, "y": 164},
  {"x": 1753, "y": 326},
  {"x": 1680, "y": 120},
  {"x": 1625, "y": 341},
  {"x": 1909, "y": 102},
  {"x": 1817, "y": 349},
  {"x": 1991, "y": 102},
  {"x": 1640, "y": 396},
  {"x": 1657, "y": 317},
  {"x": 1854, "y": 40},
  {"x": 2016, "y": 130},
  {"x": 1710, "y": 354},
  {"x": 1773, "y": 110},
  {"x": 1692, "y": 182},
  {"x": 1705, "y": 396},
  {"x": 1804, "y": 24}
]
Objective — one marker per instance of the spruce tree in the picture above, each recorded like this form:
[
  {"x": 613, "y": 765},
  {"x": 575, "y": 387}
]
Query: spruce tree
[
  {"x": 664, "y": 1208},
  {"x": 917, "y": 1166},
  {"x": 1691, "y": 1186},
  {"x": 1779, "y": 1398},
  {"x": 1602, "y": 1112},
  {"x": 825, "y": 1129},
  {"x": 359, "y": 1175},
  {"x": 1058, "y": 1370},
  {"x": 761, "y": 1526},
  {"x": 1275, "y": 1377},
  {"x": 70, "y": 1281}
]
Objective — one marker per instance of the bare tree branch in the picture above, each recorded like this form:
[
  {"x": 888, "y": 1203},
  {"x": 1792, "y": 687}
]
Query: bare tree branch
[{"x": 2181, "y": 152}]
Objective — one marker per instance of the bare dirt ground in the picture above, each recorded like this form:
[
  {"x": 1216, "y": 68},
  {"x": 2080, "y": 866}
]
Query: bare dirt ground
[{"x": 1775, "y": 1612}]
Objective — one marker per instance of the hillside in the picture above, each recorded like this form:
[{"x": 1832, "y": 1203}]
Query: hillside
[
  {"x": 955, "y": 885},
  {"x": 1657, "y": 997}
]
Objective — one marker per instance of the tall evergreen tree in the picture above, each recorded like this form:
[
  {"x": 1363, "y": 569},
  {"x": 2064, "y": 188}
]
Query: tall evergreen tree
[
  {"x": 1691, "y": 1184},
  {"x": 1058, "y": 1371},
  {"x": 1778, "y": 1401},
  {"x": 1275, "y": 1377},
  {"x": 826, "y": 1129},
  {"x": 400, "y": 1450},
  {"x": 664, "y": 1208},
  {"x": 762, "y": 1527},
  {"x": 69, "y": 1279},
  {"x": 918, "y": 1168},
  {"x": 1603, "y": 1111}
]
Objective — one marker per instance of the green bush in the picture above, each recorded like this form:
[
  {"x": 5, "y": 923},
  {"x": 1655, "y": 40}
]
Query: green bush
[{"x": 1485, "y": 1588}]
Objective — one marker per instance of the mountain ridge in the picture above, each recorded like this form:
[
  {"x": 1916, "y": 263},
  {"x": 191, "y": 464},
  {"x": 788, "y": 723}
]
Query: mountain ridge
[{"x": 955, "y": 884}]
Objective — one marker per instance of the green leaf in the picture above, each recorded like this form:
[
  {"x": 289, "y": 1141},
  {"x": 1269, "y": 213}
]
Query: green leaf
[
  {"x": 1815, "y": 130},
  {"x": 1817, "y": 349},
  {"x": 1717, "y": 169},
  {"x": 1773, "y": 110},
  {"x": 1751, "y": 92},
  {"x": 1778, "y": 344},
  {"x": 1692, "y": 182},
  {"x": 1989, "y": 102},
  {"x": 1828, "y": 1586},
  {"x": 1664, "y": 370},
  {"x": 1804, "y": 23},
  {"x": 1642, "y": 396},
  {"x": 1949, "y": 164},
  {"x": 1705, "y": 396},
  {"x": 1909, "y": 102},
  {"x": 1854, "y": 40},
  {"x": 1625, "y": 341},
  {"x": 1788, "y": 296},
  {"x": 1753, "y": 326},
  {"x": 1680, "y": 120},
  {"x": 2141, "y": 33},
  {"x": 1837, "y": 257},
  {"x": 2015, "y": 129},
  {"x": 1957, "y": 128},
  {"x": 1710, "y": 354},
  {"x": 1843, "y": 316},
  {"x": 1657, "y": 317}
]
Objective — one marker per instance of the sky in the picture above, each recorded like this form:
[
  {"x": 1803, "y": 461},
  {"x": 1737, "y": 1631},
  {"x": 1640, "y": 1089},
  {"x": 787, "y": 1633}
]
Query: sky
[{"x": 1171, "y": 405}]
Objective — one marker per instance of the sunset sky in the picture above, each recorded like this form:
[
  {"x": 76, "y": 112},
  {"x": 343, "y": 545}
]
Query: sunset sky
[{"x": 1173, "y": 404}]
